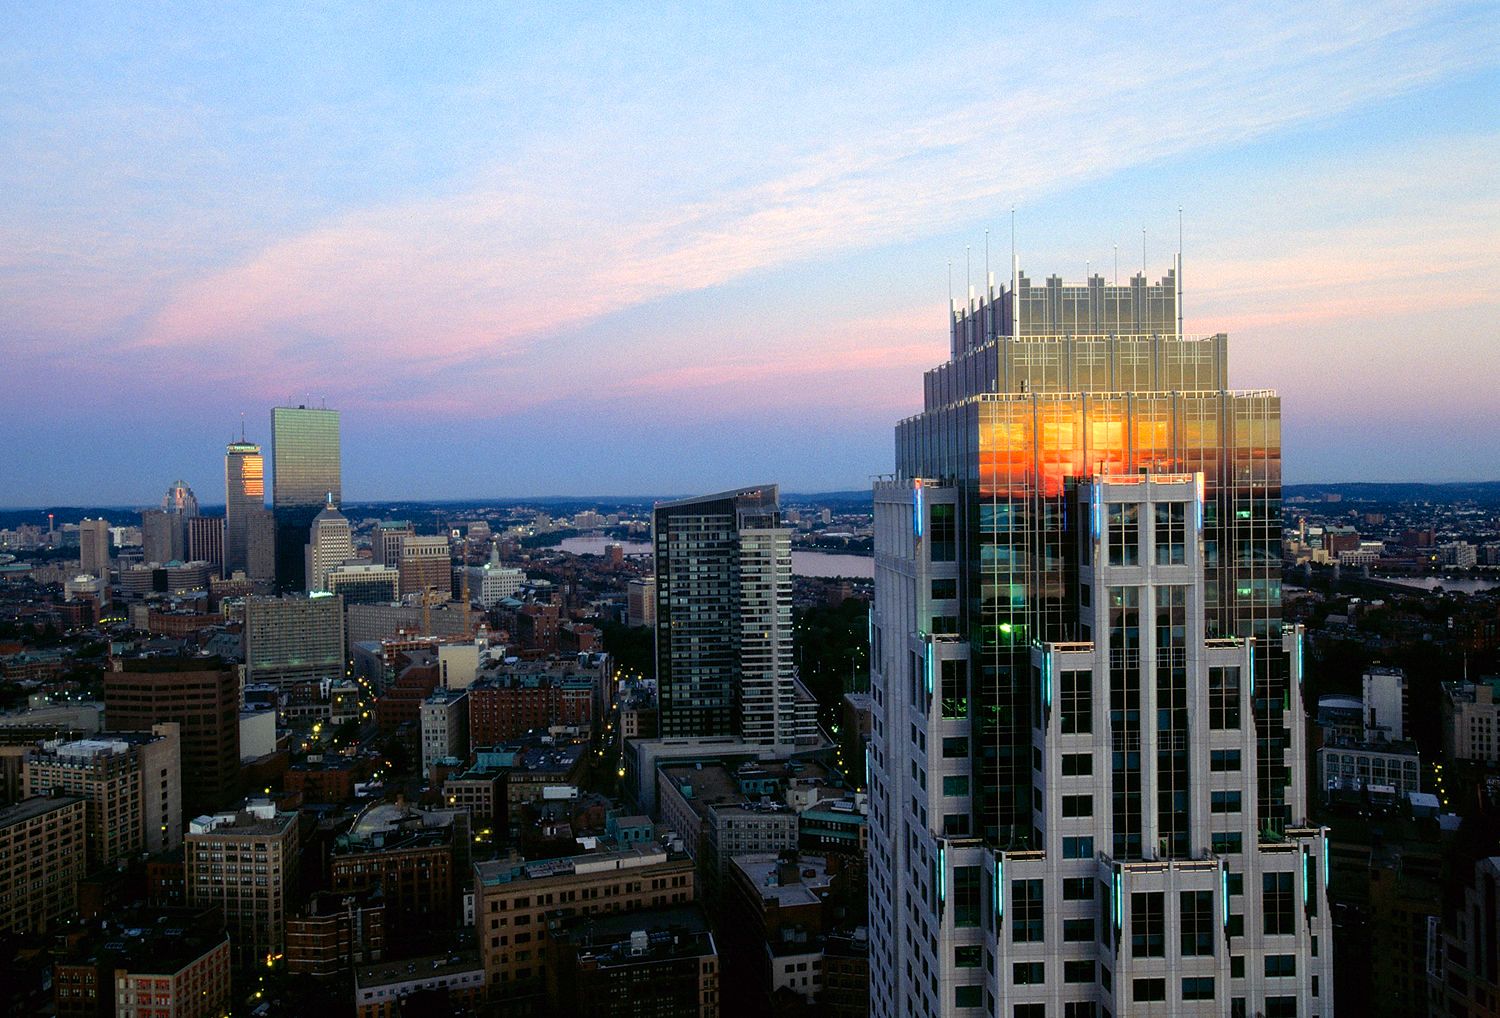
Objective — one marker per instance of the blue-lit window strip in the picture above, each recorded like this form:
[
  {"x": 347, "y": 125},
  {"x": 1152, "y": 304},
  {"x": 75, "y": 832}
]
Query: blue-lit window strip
[
  {"x": 942, "y": 874},
  {"x": 1325, "y": 862},
  {"x": 1224, "y": 891},
  {"x": 1306, "y": 878},
  {"x": 998, "y": 889},
  {"x": 918, "y": 511},
  {"x": 930, "y": 666},
  {"x": 1096, "y": 512},
  {"x": 1047, "y": 679},
  {"x": 1252, "y": 668},
  {"x": 1119, "y": 903},
  {"x": 1298, "y": 647},
  {"x": 1198, "y": 503}
]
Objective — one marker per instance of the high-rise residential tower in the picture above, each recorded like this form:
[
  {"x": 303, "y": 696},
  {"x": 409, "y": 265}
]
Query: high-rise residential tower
[
  {"x": 724, "y": 619},
  {"x": 244, "y": 493},
  {"x": 306, "y": 476},
  {"x": 1087, "y": 758}
]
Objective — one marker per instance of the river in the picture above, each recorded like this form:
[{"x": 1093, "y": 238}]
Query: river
[{"x": 804, "y": 563}]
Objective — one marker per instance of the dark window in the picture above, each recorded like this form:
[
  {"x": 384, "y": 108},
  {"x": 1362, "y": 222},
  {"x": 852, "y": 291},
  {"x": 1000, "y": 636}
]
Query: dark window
[
  {"x": 1028, "y": 973},
  {"x": 1198, "y": 988},
  {"x": 1078, "y": 889},
  {"x": 1224, "y": 698},
  {"x": 1281, "y": 966},
  {"x": 1147, "y": 990},
  {"x": 955, "y": 691},
  {"x": 1224, "y": 802},
  {"x": 944, "y": 590},
  {"x": 1197, "y": 922},
  {"x": 967, "y": 956},
  {"x": 1076, "y": 764},
  {"x": 966, "y": 896},
  {"x": 1078, "y": 848},
  {"x": 956, "y": 747},
  {"x": 1228, "y": 842},
  {"x": 1276, "y": 903},
  {"x": 1078, "y": 930},
  {"x": 1077, "y": 703},
  {"x": 1124, "y": 533},
  {"x": 968, "y": 996},
  {"x": 1078, "y": 971},
  {"x": 942, "y": 533},
  {"x": 1077, "y": 806},
  {"x": 1026, "y": 911},
  {"x": 1224, "y": 760},
  {"x": 1171, "y": 533},
  {"x": 1148, "y": 925},
  {"x": 1281, "y": 1007}
]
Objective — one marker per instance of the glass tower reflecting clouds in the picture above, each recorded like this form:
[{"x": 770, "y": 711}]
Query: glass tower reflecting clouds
[{"x": 306, "y": 477}]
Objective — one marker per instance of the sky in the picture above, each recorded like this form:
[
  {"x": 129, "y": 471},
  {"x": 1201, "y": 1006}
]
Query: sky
[{"x": 679, "y": 248}]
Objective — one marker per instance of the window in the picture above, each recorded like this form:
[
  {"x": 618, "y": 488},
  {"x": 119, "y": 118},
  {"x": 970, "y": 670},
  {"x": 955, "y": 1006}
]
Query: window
[
  {"x": 1028, "y": 973},
  {"x": 1147, "y": 990},
  {"x": 1080, "y": 1009},
  {"x": 955, "y": 825},
  {"x": 955, "y": 690},
  {"x": 1029, "y": 1011},
  {"x": 1171, "y": 533},
  {"x": 942, "y": 532},
  {"x": 1224, "y": 760},
  {"x": 956, "y": 748},
  {"x": 1026, "y": 911},
  {"x": 1077, "y": 703},
  {"x": 1078, "y": 848},
  {"x": 955, "y": 784},
  {"x": 1228, "y": 842},
  {"x": 1198, "y": 988},
  {"x": 1078, "y": 930},
  {"x": 1224, "y": 802},
  {"x": 944, "y": 590},
  {"x": 1197, "y": 922},
  {"x": 1276, "y": 903},
  {"x": 1148, "y": 925},
  {"x": 1224, "y": 698},
  {"x": 966, "y": 896},
  {"x": 1281, "y": 966},
  {"x": 968, "y": 996},
  {"x": 1237, "y": 966},
  {"x": 1078, "y": 971},
  {"x": 1077, "y": 764},
  {"x": 1077, "y": 806},
  {"x": 967, "y": 956},
  {"x": 1281, "y": 1007},
  {"x": 1078, "y": 889},
  {"x": 1124, "y": 533}
]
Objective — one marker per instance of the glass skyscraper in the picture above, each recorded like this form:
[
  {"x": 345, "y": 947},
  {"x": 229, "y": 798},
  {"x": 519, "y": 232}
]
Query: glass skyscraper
[
  {"x": 306, "y": 476},
  {"x": 1088, "y": 715}
]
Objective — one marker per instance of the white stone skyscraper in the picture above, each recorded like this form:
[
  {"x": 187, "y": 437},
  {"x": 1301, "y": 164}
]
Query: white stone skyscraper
[
  {"x": 1087, "y": 766},
  {"x": 330, "y": 544}
]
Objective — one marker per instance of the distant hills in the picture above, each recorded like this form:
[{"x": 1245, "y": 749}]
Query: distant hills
[{"x": 1482, "y": 492}]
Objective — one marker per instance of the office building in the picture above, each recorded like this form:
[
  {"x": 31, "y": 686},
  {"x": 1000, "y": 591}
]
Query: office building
[
  {"x": 1463, "y": 954},
  {"x": 640, "y": 602},
  {"x": 515, "y": 901},
  {"x": 42, "y": 853},
  {"x": 413, "y": 855},
  {"x": 427, "y": 567},
  {"x": 205, "y": 541},
  {"x": 509, "y": 701},
  {"x": 306, "y": 476},
  {"x": 385, "y": 542},
  {"x": 131, "y": 784},
  {"x": 335, "y": 933},
  {"x": 491, "y": 583},
  {"x": 180, "y": 500},
  {"x": 94, "y": 547},
  {"x": 656, "y": 964},
  {"x": 1471, "y": 720},
  {"x": 442, "y": 984},
  {"x": 163, "y": 537},
  {"x": 1087, "y": 764},
  {"x": 445, "y": 727},
  {"x": 363, "y": 583},
  {"x": 1379, "y": 767},
  {"x": 260, "y": 545},
  {"x": 1384, "y": 703},
  {"x": 146, "y": 963},
  {"x": 330, "y": 544},
  {"x": 202, "y": 696},
  {"x": 246, "y": 863},
  {"x": 295, "y": 638},
  {"x": 244, "y": 494},
  {"x": 724, "y": 661}
]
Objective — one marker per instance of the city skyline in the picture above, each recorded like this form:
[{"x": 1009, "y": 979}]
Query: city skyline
[{"x": 734, "y": 263}]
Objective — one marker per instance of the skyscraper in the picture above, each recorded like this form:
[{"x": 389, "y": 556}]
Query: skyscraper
[
  {"x": 164, "y": 531},
  {"x": 1087, "y": 761},
  {"x": 329, "y": 545},
  {"x": 724, "y": 619},
  {"x": 305, "y": 477},
  {"x": 244, "y": 493},
  {"x": 205, "y": 540},
  {"x": 294, "y": 639},
  {"x": 93, "y": 547},
  {"x": 180, "y": 499}
]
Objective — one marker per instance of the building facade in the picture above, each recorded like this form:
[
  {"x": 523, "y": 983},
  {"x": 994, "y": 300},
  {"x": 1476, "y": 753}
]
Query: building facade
[
  {"x": 244, "y": 493},
  {"x": 246, "y": 863},
  {"x": 94, "y": 547},
  {"x": 330, "y": 544},
  {"x": 1471, "y": 720},
  {"x": 42, "y": 852},
  {"x": 363, "y": 583},
  {"x": 724, "y": 659},
  {"x": 426, "y": 566},
  {"x": 1087, "y": 760},
  {"x": 200, "y": 695},
  {"x": 294, "y": 639},
  {"x": 131, "y": 784},
  {"x": 306, "y": 476},
  {"x": 205, "y": 541}
]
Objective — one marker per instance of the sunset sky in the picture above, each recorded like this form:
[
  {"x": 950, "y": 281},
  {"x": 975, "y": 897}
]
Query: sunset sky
[{"x": 613, "y": 252}]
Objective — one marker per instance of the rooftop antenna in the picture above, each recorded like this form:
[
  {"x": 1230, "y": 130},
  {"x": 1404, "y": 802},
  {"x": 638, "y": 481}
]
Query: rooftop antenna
[
  {"x": 242, "y": 426},
  {"x": 1179, "y": 272},
  {"x": 1015, "y": 278}
]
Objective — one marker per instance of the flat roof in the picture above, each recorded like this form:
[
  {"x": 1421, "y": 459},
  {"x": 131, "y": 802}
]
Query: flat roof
[{"x": 37, "y": 805}]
